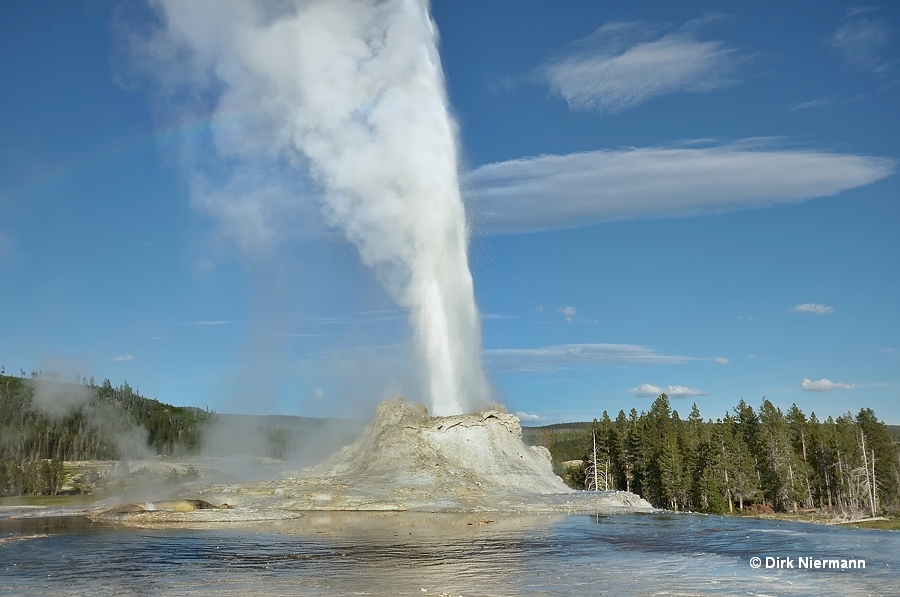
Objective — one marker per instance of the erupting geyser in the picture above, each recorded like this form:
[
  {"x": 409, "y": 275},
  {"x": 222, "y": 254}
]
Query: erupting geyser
[{"x": 351, "y": 94}]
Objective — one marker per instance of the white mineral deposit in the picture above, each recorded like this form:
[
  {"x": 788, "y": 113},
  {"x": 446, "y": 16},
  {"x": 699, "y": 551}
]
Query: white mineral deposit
[{"x": 405, "y": 461}]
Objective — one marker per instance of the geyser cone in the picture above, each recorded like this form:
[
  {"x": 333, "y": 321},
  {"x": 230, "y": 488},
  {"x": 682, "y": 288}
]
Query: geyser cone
[
  {"x": 473, "y": 453},
  {"x": 408, "y": 461}
]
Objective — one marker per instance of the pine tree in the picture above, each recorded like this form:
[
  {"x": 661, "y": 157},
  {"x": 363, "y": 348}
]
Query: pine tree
[
  {"x": 672, "y": 481},
  {"x": 624, "y": 461},
  {"x": 886, "y": 457}
]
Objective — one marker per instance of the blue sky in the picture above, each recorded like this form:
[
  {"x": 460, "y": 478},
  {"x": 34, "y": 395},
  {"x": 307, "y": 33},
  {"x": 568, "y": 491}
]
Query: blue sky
[{"x": 662, "y": 198}]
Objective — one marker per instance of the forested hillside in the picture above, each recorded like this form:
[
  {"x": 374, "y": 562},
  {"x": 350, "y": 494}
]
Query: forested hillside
[
  {"x": 45, "y": 421},
  {"x": 765, "y": 459}
]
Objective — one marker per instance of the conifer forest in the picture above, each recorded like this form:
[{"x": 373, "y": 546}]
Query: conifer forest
[
  {"x": 45, "y": 421},
  {"x": 764, "y": 460}
]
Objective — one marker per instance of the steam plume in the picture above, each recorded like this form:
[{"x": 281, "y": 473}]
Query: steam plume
[{"x": 350, "y": 93}]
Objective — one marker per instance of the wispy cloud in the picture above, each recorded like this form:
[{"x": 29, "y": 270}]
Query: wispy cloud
[
  {"x": 358, "y": 317},
  {"x": 550, "y": 359},
  {"x": 212, "y": 322},
  {"x": 721, "y": 360},
  {"x": 497, "y": 316},
  {"x": 290, "y": 336},
  {"x": 623, "y": 64},
  {"x": 858, "y": 10},
  {"x": 550, "y": 192},
  {"x": 831, "y": 100},
  {"x": 123, "y": 358},
  {"x": 380, "y": 314},
  {"x": 813, "y": 308},
  {"x": 646, "y": 390},
  {"x": 816, "y": 103},
  {"x": 891, "y": 352},
  {"x": 863, "y": 44},
  {"x": 529, "y": 418},
  {"x": 824, "y": 385},
  {"x": 318, "y": 394}
]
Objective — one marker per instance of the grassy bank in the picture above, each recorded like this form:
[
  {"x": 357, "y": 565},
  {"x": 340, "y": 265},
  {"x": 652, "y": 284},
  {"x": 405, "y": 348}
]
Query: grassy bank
[
  {"x": 49, "y": 501},
  {"x": 892, "y": 523}
]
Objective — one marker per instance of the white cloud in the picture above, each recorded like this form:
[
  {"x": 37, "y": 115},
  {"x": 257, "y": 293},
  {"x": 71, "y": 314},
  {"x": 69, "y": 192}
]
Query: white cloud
[
  {"x": 568, "y": 313},
  {"x": 550, "y": 359},
  {"x": 549, "y": 192},
  {"x": 646, "y": 390},
  {"x": 722, "y": 360},
  {"x": 623, "y": 64},
  {"x": 529, "y": 418},
  {"x": 824, "y": 385},
  {"x": 318, "y": 394},
  {"x": 813, "y": 308},
  {"x": 862, "y": 44},
  {"x": 891, "y": 352},
  {"x": 123, "y": 358}
]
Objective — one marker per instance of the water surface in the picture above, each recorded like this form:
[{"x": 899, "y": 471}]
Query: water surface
[{"x": 409, "y": 554}]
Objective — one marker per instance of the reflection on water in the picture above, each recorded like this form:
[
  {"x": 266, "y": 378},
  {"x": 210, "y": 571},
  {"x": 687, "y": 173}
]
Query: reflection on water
[{"x": 402, "y": 554}]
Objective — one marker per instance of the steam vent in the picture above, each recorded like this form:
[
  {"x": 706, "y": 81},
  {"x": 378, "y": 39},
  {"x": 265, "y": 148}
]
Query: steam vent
[{"x": 405, "y": 461}]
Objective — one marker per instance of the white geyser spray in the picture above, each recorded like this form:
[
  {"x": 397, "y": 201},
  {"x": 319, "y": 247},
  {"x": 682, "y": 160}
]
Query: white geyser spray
[{"x": 351, "y": 93}]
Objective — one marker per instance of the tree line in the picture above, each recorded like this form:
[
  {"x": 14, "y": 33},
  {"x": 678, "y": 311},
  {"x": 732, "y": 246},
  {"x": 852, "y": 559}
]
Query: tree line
[
  {"x": 82, "y": 421},
  {"x": 764, "y": 459}
]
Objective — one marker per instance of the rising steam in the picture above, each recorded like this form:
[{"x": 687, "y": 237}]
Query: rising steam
[{"x": 347, "y": 95}]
